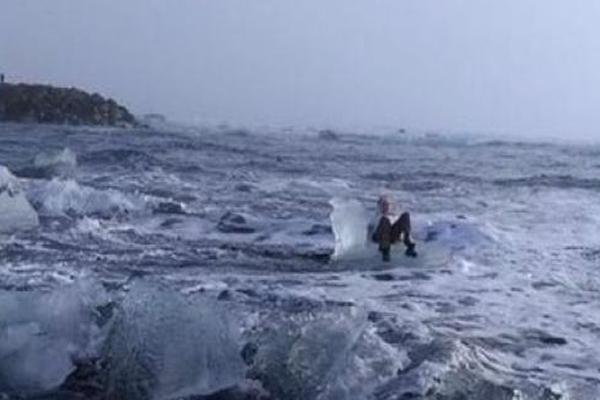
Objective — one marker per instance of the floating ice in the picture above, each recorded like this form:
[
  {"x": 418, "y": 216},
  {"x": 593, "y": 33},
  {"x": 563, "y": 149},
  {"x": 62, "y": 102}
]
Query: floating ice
[
  {"x": 350, "y": 227},
  {"x": 456, "y": 234},
  {"x": 42, "y": 332},
  {"x": 48, "y": 164},
  {"x": 349, "y": 222},
  {"x": 451, "y": 369},
  {"x": 61, "y": 163},
  {"x": 60, "y": 197},
  {"x": 15, "y": 211},
  {"x": 528, "y": 250},
  {"x": 163, "y": 345},
  {"x": 326, "y": 357}
]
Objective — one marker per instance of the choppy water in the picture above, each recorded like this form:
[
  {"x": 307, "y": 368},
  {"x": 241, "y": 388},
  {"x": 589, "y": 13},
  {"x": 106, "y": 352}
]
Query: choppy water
[{"x": 172, "y": 264}]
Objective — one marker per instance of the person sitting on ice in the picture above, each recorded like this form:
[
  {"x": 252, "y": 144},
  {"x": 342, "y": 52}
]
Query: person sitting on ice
[{"x": 392, "y": 228}]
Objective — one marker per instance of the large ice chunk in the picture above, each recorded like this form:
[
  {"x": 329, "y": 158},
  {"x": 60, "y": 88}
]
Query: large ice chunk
[
  {"x": 57, "y": 163},
  {"x": 60, "y": 197},
  {"x": 349, "y": 222},
  {"x": 41, "y": 333},
  {"x": 15, "y": 211},
  {"x": 457, "y": 235},
  {"x": 49, "y": 164},
  {"x": 164, "y": 345},
  {"x": 326, "y": 357}
]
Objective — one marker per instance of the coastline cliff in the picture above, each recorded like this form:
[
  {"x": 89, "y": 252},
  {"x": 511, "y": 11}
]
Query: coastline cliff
[{"x": 33, "y": 103}]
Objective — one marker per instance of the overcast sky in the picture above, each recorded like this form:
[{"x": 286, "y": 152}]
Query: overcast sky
[{"x": 523, "y": 67}]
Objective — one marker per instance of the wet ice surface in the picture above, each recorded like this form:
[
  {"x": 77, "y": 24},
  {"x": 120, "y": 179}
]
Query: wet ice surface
[{"x": 200, "y": 261}]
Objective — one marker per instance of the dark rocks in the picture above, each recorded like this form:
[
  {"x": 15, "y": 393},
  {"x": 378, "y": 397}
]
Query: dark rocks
[
  {"x": 244, "y": 187},
  {"x": 247, "y": 391},
  {"x": 468, "y": 301},
  {"x": 425, "y": 185},
  {"x": 169, "y": 207},
  {"x": 170, "y": 223},
  {"x": 233, "y": 218},
  {"x": 249, "y": 352},
  {"x": 234, "y": 223},
  {"x": 384, "y": 277},
  {"x": 328, "y": 134},
  {"x": 225, "y": 295},
  {"x": 86, "y": 381},
  {"x": 242, "y": 133},
  {"x": 553, "y": 340},
  {"x": 545, "y": 338},
  {"x": 540, "y": 285},
  {"x": 248, "y": 292},
  {"x": 388, "y": 277},
  {"x": 385, "y": 176},
  {"x": 318, "y": 229},
  {"x": 54, "y": 105}
]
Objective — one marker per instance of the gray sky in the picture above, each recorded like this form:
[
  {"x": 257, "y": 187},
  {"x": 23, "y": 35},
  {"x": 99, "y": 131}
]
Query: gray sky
[{"x": 524, "y": 67}]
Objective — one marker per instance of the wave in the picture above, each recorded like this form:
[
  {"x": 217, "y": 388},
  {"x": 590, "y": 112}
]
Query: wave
[
  {"x": 67, "y": 197},
  {"x": 456, "y": 235},
  {"x": 148, "y": 341},
  {"x": 448, "y": 369},
  {"x": 355, "y": 355},
  {"x": 124, "y": 158},
  {"x": 421, "y": 180},
  {"x": 552, "y": 181},
  {"x": 51, "y": 164}
]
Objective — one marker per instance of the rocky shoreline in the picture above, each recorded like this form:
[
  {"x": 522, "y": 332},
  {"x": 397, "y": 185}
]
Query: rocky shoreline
[{"x": 33, "y": 103}]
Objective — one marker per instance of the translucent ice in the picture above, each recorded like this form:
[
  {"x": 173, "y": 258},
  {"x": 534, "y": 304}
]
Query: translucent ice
[
  {"x": 163, "y": 345},
  {"x": 325, "y": 357},
  {"x": 59, "y": 197},
  {"x": 349, "y": 222},
  {"x": 61, "y": 163},
  {"x": 15, "y": 211},
  {"x": 41, "y": 333}
]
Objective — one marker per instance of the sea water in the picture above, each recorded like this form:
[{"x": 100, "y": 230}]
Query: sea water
[{"x": 204, "y": 262}]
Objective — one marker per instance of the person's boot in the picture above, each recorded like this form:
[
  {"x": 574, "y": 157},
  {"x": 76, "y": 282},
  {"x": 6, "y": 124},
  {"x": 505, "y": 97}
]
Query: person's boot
[
  {"x": 410, "y": 250},
  {"x": 385, "y": 254}
]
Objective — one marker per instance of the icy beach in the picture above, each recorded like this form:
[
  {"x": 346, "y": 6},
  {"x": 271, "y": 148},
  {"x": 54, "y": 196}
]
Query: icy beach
[{"x": 197, "y": 263}]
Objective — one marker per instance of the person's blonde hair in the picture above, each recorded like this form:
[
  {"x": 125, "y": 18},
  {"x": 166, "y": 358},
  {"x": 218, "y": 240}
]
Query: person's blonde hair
[{"x": 385, "y": 200}]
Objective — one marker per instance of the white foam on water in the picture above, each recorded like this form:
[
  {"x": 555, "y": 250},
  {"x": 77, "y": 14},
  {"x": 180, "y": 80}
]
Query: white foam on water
[
  {"x": 457, "y": 234},
  {"x": 524, "y": 255},
  {"x": 60, "y": 197}
]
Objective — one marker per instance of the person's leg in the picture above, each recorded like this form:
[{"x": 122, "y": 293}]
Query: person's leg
[
  {"x": 402, "y": 229},
  {"x": 383, "y": 236}
]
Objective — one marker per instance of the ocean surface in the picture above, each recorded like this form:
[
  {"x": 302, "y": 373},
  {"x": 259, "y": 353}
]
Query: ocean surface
[{"x": 222, "y": 263}]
